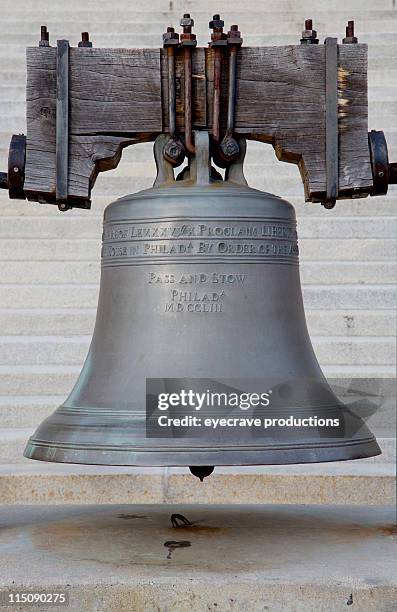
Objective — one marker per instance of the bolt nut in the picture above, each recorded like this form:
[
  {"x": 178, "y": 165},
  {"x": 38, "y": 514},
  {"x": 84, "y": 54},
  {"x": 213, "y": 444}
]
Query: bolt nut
[
  {"x": 234, "y": 36},
  {"x": 309, "y": 36},
  {"x": 174, "y": 152},
  {"x": 170, "y": 37},
  {"x": 63, "y": 207},
  {"x": 350, "y": 39},
  {"x": 187, "y": 21},
  {"x": 85, "y": 40},
  {"x": 218, "y": 39},
  {"x": 230, "y": 148},
  {"x": 216, "y": 23},
  {"x": 188, "y": 39},
  {"x": 44, "y": 37},
  {"x": 188, "y": 36}
]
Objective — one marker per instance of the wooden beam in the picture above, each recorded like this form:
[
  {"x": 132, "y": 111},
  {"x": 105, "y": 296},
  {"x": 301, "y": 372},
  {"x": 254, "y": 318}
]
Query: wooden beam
[
  {"x": 119, "y": 97},
  {"x": 114, "y": 101}
]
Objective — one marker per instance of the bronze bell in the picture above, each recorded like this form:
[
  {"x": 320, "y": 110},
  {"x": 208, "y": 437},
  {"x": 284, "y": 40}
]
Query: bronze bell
[{"x": 238, "y": 246}]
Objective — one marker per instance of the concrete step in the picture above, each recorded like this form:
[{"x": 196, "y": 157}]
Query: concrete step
[
  {"x": 104, "y": 22},
  {"x": 80, "y": 322},
  {"x": 357, "y": 483},
  {"x": 315, "y": 558},
  {"x": 25, "y": 413},
  {"x": 53, "y": 350},
  {"x": 32, "y": 10},
  {"x": 378, "y": 94},
  {"x": 318, "y": 297},
  {"x": 380, "y": 76}
]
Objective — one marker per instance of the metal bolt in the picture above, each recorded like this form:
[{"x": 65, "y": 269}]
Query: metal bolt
[
  {"x": 170, "y": 37},
  {"x": 350, "y": 39},
  {"x": 187, "y": 23},
  {"x": 63, "y": 207},
  {"x": 230, "y": 148},
  {"x": 216, "y": 23},
  {"x": 85, "y": 40},
  {"x": 309, "y": 36},
  {"x": 218, "y": 37},
  {"x": 187, "y": 37},
  {"x": 44, "y": 37},
  {"x": 174, "y": 152},
  {"x": 234, "y": 36}
]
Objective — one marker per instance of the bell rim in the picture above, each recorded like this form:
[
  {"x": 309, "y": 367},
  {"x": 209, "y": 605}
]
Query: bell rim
[{"x": 173, "y": 457}]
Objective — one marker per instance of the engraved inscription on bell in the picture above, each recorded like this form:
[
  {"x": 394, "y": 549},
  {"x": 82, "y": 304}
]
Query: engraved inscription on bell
[{"x": 264, "y": 239}]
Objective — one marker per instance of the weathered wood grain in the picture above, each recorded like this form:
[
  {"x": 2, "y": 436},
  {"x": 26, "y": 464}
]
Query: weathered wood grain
[
  {"x": 115, "y": 96},
  {"x": 119, "y": 96},
  {"x": 281, "y": 99}
]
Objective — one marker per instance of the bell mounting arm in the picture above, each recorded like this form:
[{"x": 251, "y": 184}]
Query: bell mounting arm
[{"x": 84, "y": 105}]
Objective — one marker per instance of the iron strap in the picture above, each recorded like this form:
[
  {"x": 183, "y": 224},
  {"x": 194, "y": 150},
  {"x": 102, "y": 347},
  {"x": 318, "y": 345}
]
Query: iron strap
[
  {"x": 62, "y": 121},
  {"x": 331, "y": 120}
]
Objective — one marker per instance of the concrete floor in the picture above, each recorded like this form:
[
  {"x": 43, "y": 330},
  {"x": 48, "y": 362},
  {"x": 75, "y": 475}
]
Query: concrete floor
[{"x": 129, "y": 558}]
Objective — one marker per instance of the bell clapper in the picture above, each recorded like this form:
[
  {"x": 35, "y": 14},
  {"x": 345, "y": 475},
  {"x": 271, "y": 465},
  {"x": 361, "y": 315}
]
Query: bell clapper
[{"x": 201, "y": 471}]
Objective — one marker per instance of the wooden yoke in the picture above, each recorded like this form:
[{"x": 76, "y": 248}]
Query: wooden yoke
[{"x": 119, "y": 97}]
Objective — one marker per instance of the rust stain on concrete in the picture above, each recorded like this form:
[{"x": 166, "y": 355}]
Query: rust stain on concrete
[{"x": 194, "y": 528}]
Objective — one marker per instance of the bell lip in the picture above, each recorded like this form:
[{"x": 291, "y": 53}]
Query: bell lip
[{"x": 303, "y": 454}]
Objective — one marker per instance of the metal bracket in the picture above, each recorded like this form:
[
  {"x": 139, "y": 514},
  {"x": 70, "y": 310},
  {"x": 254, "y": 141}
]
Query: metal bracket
[
  {"x": 62, "y": 123},
  {"x": 383, "y": 173},
  {"x": 331, "y": 121},
  {"x": 200, "y": 167},
  {"x": 379, "y": 162},
  {"x": 235, "y": 172},
  {"x": 165, "y": 173},
  {"x": 16, "y": 167},
  {"x": 199, "y": 171},
  {"x": 174, "y": 151},
  {"x": 14, "y": 179},
  {"x": 229, "y": 146}
]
